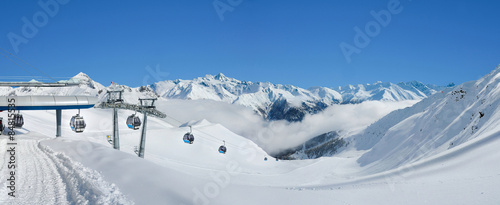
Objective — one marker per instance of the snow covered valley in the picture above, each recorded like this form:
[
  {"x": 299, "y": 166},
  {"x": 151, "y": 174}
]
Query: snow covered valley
[{"x": 440, "y": 150}]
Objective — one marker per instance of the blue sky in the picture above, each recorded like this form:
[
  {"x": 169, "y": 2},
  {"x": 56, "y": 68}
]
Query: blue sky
[{"x": 287, "y": 41}]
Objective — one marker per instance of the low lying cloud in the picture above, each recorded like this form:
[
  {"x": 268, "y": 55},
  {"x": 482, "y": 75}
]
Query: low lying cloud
[{"x": 276, "y": 136}]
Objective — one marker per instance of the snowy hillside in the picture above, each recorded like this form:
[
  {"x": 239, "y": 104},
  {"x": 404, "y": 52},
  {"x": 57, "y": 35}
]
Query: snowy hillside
[
  {"x": 441, "y": 150},
  {"x": 440, "y": 122},
  {"x": 436, "y": 124}
]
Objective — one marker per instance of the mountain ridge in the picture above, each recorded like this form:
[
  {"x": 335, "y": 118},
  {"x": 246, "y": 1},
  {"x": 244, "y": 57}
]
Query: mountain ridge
[
  {"x": 271, "y": 101},
  {"x": 287, "y": 102}
]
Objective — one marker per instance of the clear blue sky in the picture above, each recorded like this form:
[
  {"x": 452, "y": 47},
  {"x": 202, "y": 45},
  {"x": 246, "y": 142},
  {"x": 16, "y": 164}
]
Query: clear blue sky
[{"x": 281, "y": 41}]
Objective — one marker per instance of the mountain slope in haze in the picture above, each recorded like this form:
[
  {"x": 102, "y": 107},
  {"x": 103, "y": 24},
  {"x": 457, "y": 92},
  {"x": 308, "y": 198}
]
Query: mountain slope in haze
[{"x": 326, "y": 144}]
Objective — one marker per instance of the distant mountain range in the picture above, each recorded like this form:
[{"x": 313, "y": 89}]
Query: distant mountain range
[
  {"x": 287, "y": 102},
  {"x": 440, "y": 122},
  {"x": 272, "y": 101}
]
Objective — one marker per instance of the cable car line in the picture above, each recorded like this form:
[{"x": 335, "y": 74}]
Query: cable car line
[
  {"x": 214, "y": 139},
  {"x": 181, "y": 123},
  {"x": 28, "y": 64},
  {"x": 17, "y": 64}
]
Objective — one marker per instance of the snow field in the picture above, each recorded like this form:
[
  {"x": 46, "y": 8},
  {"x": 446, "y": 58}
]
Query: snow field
[{"x": 441, "y": 150}]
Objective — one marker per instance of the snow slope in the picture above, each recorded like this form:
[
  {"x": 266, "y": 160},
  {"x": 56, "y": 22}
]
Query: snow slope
[
  {"x": 45, "y": 177},
  {"x": 436, "y": 124},
  {"x": 441, "y": 150},
  {"x": 177, "y": 173}
]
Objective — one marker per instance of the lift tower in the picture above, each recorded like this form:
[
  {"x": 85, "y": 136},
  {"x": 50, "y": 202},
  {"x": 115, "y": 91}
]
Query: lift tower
[
  {"x": 115, "y": 98},
  {"x": 146, "y": 107},
  {"x": 146, "y": 104}
]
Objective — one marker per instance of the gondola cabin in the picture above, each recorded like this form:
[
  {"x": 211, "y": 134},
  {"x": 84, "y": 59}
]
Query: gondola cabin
[
  {"x": 222, "y": 148},
  {"x": 77, "y": 124},
  {"x": 188, "y": 138},
  {"x": 133, "y": 122},
  {"x": 18, "y": 120}
]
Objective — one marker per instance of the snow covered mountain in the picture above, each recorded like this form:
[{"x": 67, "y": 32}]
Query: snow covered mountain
[
  {"x": 277, "y": 102},
  {"x": 438, "y": 123},
  {"x": 413, "y": 90},
  {"x": 272, "y": 101}
]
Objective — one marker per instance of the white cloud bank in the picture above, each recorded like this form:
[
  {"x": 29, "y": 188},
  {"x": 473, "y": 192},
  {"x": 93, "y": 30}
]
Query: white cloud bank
[{"x": 277, "y": 136}]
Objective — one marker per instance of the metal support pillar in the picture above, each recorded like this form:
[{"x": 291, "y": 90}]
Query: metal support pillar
[
  {"x": 116, "y": 138},
  {"x": 142, "y": 145},
  {"x": 58, "y": 122}
]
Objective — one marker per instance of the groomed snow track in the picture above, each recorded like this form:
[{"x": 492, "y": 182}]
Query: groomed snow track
[{"x": 45, "y": 177}]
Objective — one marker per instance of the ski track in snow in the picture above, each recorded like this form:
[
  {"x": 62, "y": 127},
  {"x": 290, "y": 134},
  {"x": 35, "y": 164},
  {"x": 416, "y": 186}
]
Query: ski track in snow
[{"x": 45, "y": 177}]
